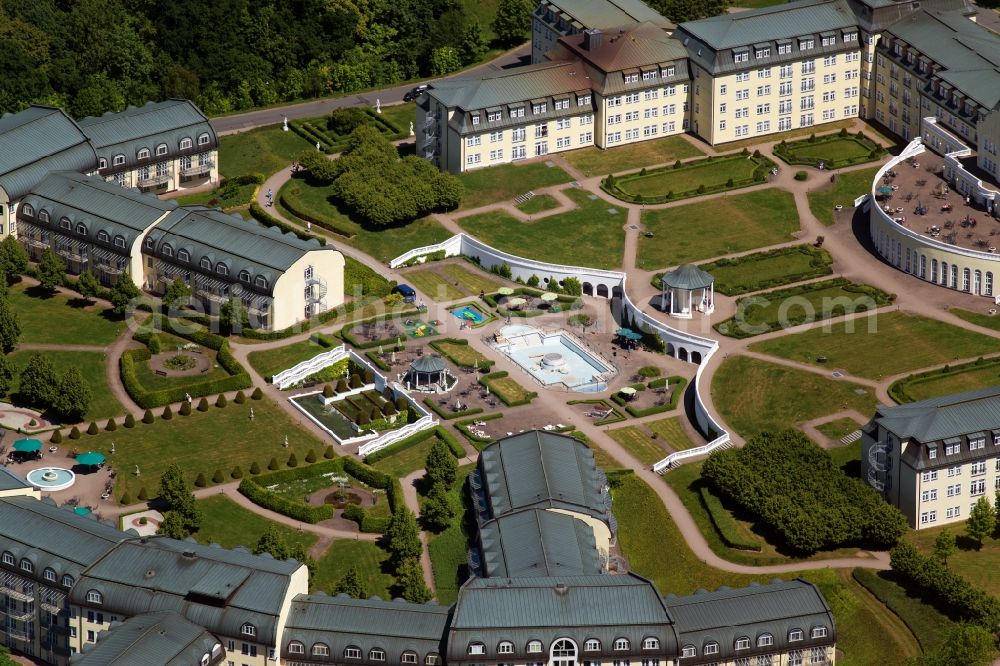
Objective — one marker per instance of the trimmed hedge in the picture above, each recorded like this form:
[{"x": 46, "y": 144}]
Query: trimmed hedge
[
  {"x": 345, "y": 332},
  {"x": 376, "y": 361},
  {"x": 239, "y": 378},
  {"x": 724, "y": 523},
  {"x": 786, "y": 150},
  {"x": 255, "y": 489},
  {"x": 269, "y": 220},
  {"x": 484, "y": 380},
  {"x": 366, "y": 522},
  {"x": 290, "y": 202},
  {"x": 612, "y": 185},
  {"x": 463, "y": 427},
  {"x": 436, "y": 346},
  {"x": 376, "y": 479},
  {"x": 448, "y": 415},
  {"x": 898, "y": 389},
  {"x": 677, "y": 381},
  {"x": 820, "y": 264},
  {"x": 414, "y": 439},
  {"x": 615, "y": 416}
]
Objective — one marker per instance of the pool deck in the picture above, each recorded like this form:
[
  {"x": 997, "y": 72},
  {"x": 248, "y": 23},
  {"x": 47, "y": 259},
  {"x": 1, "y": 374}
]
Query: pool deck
[{"x": 575, "y": 351}]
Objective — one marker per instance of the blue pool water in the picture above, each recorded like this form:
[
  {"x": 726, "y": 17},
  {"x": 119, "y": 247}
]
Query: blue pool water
[
  {"x": 554, "y": 358},
  {"x": 469, "y": 314}
]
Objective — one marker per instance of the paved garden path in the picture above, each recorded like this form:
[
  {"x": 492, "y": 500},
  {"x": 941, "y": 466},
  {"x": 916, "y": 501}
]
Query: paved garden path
[
  {"x": 413, "y": 504},
  {"x": 810, "y": 426}
]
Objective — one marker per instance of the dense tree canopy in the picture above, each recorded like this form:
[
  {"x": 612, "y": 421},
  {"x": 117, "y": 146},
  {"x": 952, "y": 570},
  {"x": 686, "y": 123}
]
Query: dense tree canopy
[
  {"x": 92, "y": 56},
  {"x": 792, "y": 486}
]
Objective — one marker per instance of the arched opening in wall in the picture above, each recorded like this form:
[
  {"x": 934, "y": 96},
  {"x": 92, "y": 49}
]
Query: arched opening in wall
[
  {"x": 696, "y": 357},
  {"x": 616, "y": 291},
  {"x": 671, "y": 351},
  {"x": 588, "y": 289},
  {"x": 602, "y": 290},
  {"x": 682, "y": 353}
]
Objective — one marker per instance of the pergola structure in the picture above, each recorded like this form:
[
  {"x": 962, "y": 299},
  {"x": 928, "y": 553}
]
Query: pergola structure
[
  {"x": 688, "y": 290},
  {"x": 428, "y": 373}
]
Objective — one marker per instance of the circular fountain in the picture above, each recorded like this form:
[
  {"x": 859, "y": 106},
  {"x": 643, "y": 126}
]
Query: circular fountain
[
  {"x": 553, "y": 360},
  {"x": 51, "y": 478}
]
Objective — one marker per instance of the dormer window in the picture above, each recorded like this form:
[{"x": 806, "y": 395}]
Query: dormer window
[
  {"x": 203, "y": 139},
  {"x": 206, "y": 263},
  {"x": 977, "y": 442},
  {"x": 592, "y": 645},
  {"x": 476, "y": 648},
  {"x": 475, "y": 118},
  {"x": 103, "y": 236},
  {"x": 183, "y": 255},
  {"x": 850, "y": 37},
  {"x": 143, "y": 154},
  {"x": 583, "y": 100},
  {"x": 27, "y": 565},
  {"x": 161, "y": 149},
  {"x": 534, "y": 647},
  {"x": 67, "y": 581},
  {"x": 222, "y": 269},
  {"x": 829, "y": 40},
  {"x": 764, "y": 52},
  {"x": 118, "y": 160},
  {"x": 248, "y": 629},
  {"x": 649, "y": 76},
  {"x": 539, "y": 108},
  {"x": 64, "y": 223},
  {"x": 94, "y": 597},
  {"x": 167, "y": 250},
  {"x": 102, "y": 163},
  {"x": 952, "y": 447},
  {"x": 244, "y": 276},
  {"x": 632, "y": 78},
  {"x": 621, "y": 644},
  {"x": 296, "y": 648},
  {"x": 806, "y": 44},
  {"x": 794, "y": 635},
  {"x": 765, "y": 640},
  {"x": 818, "y": 632},
  {"x": 741, "y": 56},
  {"x": 352, "y": 653},
  {"x": 711, "y": 648},
  {"x": 185, "y": 144},
  {"x": 742, "y": 643},
  {"x": 81, "y": 229},
  {"x": 689, "y": 651},
  {"x": 931, "y": 451},
  {"x": 150, "y": 243},
  {"x": 494, "y": 116},
  {"x": 43, "y": 215},
  {"x": 408, "y": 658},
  {"x": 50, "y": 574},
  {"x": 784, "y": 49},
  {"x": 650, "y": 644},
  {"x": 8, "y": 559},
  {"x": 505, "y": 647},
  {"x": 27, "y": 210},
  {"x": 320, "y": 650},
  {"x": 260, "y": 281},
  {"x": 432, "y": 660}
]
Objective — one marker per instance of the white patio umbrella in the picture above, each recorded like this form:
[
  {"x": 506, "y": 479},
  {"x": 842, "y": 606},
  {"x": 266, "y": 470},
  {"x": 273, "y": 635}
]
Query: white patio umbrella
[
  {"x": 516, "y": 302},
  {"x": 505, "y": 291},
  {"x": 548, "y": 296}
]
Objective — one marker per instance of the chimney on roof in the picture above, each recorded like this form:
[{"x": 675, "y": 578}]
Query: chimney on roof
[{"x": 592, "y": 39}]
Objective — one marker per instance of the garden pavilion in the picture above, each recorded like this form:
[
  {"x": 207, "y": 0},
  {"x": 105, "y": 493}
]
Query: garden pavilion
[
  {"x": 687, "y": 290},
  {"x": 428, "y": 373}
]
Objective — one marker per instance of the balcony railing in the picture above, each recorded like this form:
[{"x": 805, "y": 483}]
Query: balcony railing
[
  {"x": 154, "y": 180},
  {"x": 213, "y": 296},
  {"x": 204, "y": 167},
  {"x": 72, "y": 255},
  {"x": 19, "y": 615}
]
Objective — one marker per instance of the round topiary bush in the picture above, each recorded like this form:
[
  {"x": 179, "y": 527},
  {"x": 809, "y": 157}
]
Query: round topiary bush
[
  {"x": 237, "y": 473},
  {"x": 185, "y": 409},
  {"x": 369, "y": 376},
  {"x": 801, "y": 175},
  {"x": 203, "y": 405},
  {"x": 154, "y": 344},
  {"x": 129, "y": 421},
  {"x": 311, "y": 456},
  {"x": 74, "y": 433},
  {"x": 293, "y": 461},
  {"x": 92, "y": 429},
  {"x": 255, "y": 467},
  {"x": 273, "y": 464},
  {"x": 329, "y": 454},
  {"x": 56, "y": 437},
  {"x": 677, "y": 164},
  {"x": 126, "y": 499},
  {"x": 221, "y": 401},
  {"x": 401, "y": 403},
  {"x": 143, "y": 495},
  {"x": 148, "y": 416},
  {"x": 167, "y": 413},
  {"x": 341, "y": 386},
  {"x": 257, "y": 394},
  {"x": 240, "y": 398},
  {"x": 730, "y": 183},
  {"x": 201, "y": 481},
  {"x": 327, "y": 391},
  {"x": 143, "y": 520},
  {"x": 649, "y": 371},
  {"x": 111, "y": 426},
  {"x": 355, "y": 381},
  {"x": 218, "y": 477},
  {"x": 701, "y": 189}
]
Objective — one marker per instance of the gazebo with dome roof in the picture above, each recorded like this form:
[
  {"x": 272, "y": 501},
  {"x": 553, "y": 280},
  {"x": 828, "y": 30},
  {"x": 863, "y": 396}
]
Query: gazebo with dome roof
[
  {"x": 428, "y": 373},
  {"x": 687, "y": 290}
]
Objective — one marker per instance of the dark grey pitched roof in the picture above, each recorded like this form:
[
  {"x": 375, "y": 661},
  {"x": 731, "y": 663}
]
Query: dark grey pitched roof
[
  {"x": 241, "y": 244},
  {"x": 535, "y": 542},
  {"x": 538, "y": 81},
  {"x": 605, "y": 14},
  {"x": 689, "y": 277},
  {"x": 428, "y": 364},
  {"x": 36, "y": 141},
  {"x": 945, "y": 416},
  {"x": 216, "y": 588},
  {"x": 490, "y": 610},
  {"x": 543, "y": 470},
  {"x": 393, "y": 626},
  {"x": 98, "y": 204},
  {"x": 728, "y": 614},
  {"x": 152, "y": 639},
  {"x": 147, "y": 126},
  {"x": 11, "y": 481}
]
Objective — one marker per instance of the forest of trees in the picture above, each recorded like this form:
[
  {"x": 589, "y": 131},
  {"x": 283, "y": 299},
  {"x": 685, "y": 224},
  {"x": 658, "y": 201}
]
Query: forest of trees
[{"x": 92, "y": 56}]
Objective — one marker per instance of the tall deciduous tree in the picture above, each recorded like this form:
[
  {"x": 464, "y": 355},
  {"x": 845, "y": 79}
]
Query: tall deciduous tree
[
  {"x": 73, "y": 397},
  {"x": 437, "y": 510},
  {"x": 51, "y": 270},
  {"x": 13, "y": 257},
  {"x": 7, "y": 374},
  {"x": 403, "y": 536},
  {"x": 512, "y": 22},
  {"x": 123, "y": 295},
  {"x": 440, "y": 466},
  {"x": 352, "y": 585},
  {"x": 273, "y": 542},
  {"x": 176, "y": 294},
  {"x": 183, "y": 517},
  {"x": 944, "y": 546},
  {"x": 10, "y": 327},
  {"x": 88, "y": 285},
  {"x": 982, "y": 520},
  {"x": 410, "y": 581},
  {"x": 39, "y": 381}
]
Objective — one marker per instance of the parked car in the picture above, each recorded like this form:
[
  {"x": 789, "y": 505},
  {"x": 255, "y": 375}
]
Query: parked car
[
  {"x": 415, "y": 93},
  {"x": 409, "y": 295}
]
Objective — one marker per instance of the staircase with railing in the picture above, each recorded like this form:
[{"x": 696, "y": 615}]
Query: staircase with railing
[
  {"x": 316, "y": 291},
  {"x": 878, "y": 464}
]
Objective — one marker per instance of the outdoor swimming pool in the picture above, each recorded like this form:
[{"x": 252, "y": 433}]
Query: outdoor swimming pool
[
  {"x": 469, "y": 314},
  {"x": 555, "y": 358}
]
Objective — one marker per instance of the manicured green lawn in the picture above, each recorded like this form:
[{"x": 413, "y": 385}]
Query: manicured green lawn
[
  {"x": 473, "y": 281},
  {"x": 382, "y": 243},
  {"x": 635, "y": 440},
  {"x": 597, "y": 162},
  {"x": 408, "y": 460},
  {"x": 979, "y": 319},
  {"x": 722, "y": 225},
  {"x": 928, "y": 625},
  {"x": 369, "y": 559},
  {"x": 463, "y": 355},
  {"x": 264, "y": 151},
  {"x": 269, "y": 362},
  {"x": 429, "y": 282},
  {"x": 538, "y": 204},
  {"x": 449, "y": 549},
  {"x": 710, "y": 174},
  {"x": 61, "y": 319},
  {"x": 979, "y": 567},
  {"x": 505, "y": 182},
  {"x": 242, "y": 197},
  {"x": 832, "y": 149},
  {"x": 773, "y": 268},
  {"x": 589, "y": 236},
  {"x": 200, "y": 443},
  {"x": 965, "y": 377},
  {"x": 754, "y": 395},
  {"x": 900, "y": 343},
  {"x": 672, "y": 432},
  {"x": 93, "y": 367},
  {"x": 154, "y": 382},
  {"x": 507, "y": 389},
  {"x": 849, "y": 186},
  {"x": 784, "y": 308},
  {"x": 838, "y": 428},
  {"x": 226, "y": 523}
]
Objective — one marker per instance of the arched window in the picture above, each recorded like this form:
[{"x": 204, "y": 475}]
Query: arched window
[
  {"x": 221, "y": 269},
  {"x": 650, "y": 644},
  {"x": 203, "y": 139},
  {"x": 934, "y": 269},
  {"x": 183, "y": 255},
  {"x": 988, "y": 287},
  {"x": 476, "y": 648},
  {"x": 966, "y": 279},
  {"x": 27, "y": 565},
  {"x": 742, "y": 643},
  {"x": 248, "y": 629},
  {"x": 64, "y": 223},
  {"x": 118, "y": 160},
  {"x": 50, "y": 574},
  {"x": 103, "y": 236},
  {"x": 167, "y": 250},
  {"x": 150, "y": 243},
  {"x": 244, "y": 276},
  {"x": 94, "y": 597},
  {"x": 977, "y": 282},
  {"x": 296, "y": 647},
  {"x": 818, "y": 632},
  {"x": 43, "y": 216},
  {"x": 689, "y": 651},
  {"x": 505, "y": 647},
  {"x": 534, "y": 647},
  {"x": 143, "y": 154},
  {"x": 432, "y": 660},
  {"x": 591, "y": 645},
  {"x": 102, "y": 163},
  {"x": 794, "y": 635},
  {"x": 954, "y": 276},
  {"x": 185, "y": 144},
  {"x": 923, "y": 267},
  {"x": 260, "y": 281},
  {"x": 376, "y": 654},
  {"x": 408, "y": 658},
  {"x": 8, "y": 558},
  {"x": 27, "y": 210},
  {"x": 81, "y": 229},
  {"x": 765, "y": 640},
  {"x": 711, "y": 648},
  {"x": 206, "y": 263},
  {"x": 320, "y": 650},
  {"x": 161, "y": 149},
  {"x": 621, "y": 644},
  {"x": 205, "y": 659},
  {"x": 352, "y": 652},
  {"x": 944, "y": 273},
  {"x": 563, "y": 653},
  {"x": 120, "y": 241},
  {"x": 67, "y": 581}
]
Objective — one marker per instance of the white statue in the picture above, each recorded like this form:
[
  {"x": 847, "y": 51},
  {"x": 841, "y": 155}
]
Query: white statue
[
  {"x": 284, "y": 127},
  {"x": 378, "y": 106},
  {"x": 137, "y": 470},
  {"x": 251, "y": 413},
  {"x": 112, "y": 448},
  {"x": 411, "y": 128},
  {"x": 317, "y": 145},
  {"x": 286, "y": 441}
]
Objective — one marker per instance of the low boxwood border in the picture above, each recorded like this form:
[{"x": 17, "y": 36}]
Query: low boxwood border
[
  {"x": 898, "y": 389},
  {"x": 485, "y": 381},
  {"x": 287, "y": 199},
  {"x": 448, "y": 416},
  {"x": 785, "y": 150},
  {"x": 881, "y": 298},
  {"x": 820, "y": 264},
  {"x": 255, "y": 490},
  {"x": 463, "y": 427},
  {"x": 723, "y": 522},
  {"x": 268, "y": 220},
  {"x": 615, "y": 417},
  {"x": 414, "y": 439},
  {"x": 435, "y": 345},
  {"x": 679, "y": 383}
]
